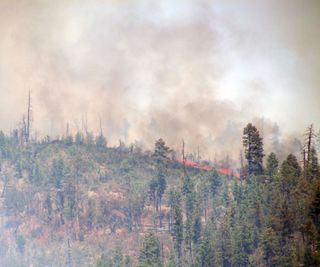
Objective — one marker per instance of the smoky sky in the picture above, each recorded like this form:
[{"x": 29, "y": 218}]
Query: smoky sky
[{"x": 193, "y": 70}]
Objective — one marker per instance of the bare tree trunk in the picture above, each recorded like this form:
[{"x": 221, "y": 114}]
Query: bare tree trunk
[
  {"x": 69, "y": 257},
  {"x": 184, "y": 159},
  {"x": 160, "y": 217},
  {"x": 28, "y": 118},
  {"x": 100, "y": 124},
  {"x": 304, "y": 163},
  {"x": 308, "y": 145}
]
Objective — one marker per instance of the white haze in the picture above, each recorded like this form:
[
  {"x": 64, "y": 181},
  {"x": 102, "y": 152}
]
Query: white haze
[{"x": 198, "y": 70}]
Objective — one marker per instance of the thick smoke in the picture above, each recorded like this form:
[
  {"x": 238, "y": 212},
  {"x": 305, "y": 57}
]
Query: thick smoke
[{"x": 192, "y": 70}]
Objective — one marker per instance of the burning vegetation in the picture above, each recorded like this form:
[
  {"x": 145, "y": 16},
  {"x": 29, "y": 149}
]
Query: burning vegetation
[
  {"x": 159, "y": 133},
  {"x": 74, "y": 201}
]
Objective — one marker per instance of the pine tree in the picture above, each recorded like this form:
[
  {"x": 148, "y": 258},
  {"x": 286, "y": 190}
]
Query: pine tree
[
  {"x": 197, "y": 225},
  {"x": 127, "y": 261},
  {"x": 158, "y": 184},
  {"x": 313, "y": 171},
  {"x": 318, "y": 143},
  {"x": 172, "y": 260},
  {"x": 104, "y": 261},
  {"x": 161, "y": 152},
  {"x": 214, "y": 182},
  {"x": 161, "y": 187},
  {"x": 271, "y": 246},
  {"x": 189, "y": 199},
  {"x": 177, "y": 227},
  {"x": 189, "y": 195},
  {"x": 101, "y": 141},
  {"x": 309, "y": 260},
  {"x": 272, "y": 164},
  {"x": 79, "y": 139},
  {"x": 117, "y": 257},
  {"x": 48, "y": 206},
  {"x": 174, "y": 200},
  {"x": 203, "y": 195},
  {"x": 290, "y": 172},
  {"x": 312, "y": 254},
  {"x": 223, "y": 241},
  {"x": 57, "y": 173},
  {"x": 253, "y": 145},
  {"x": 205, "y": 254},
  {"x": 21, "y": 243},
  {"x": 150, "y": 255}
]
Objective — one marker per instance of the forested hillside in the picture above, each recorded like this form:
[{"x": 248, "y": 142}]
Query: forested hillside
[
  {"x": 74, "y": 201},
  {"x": 167, "y": 133}
]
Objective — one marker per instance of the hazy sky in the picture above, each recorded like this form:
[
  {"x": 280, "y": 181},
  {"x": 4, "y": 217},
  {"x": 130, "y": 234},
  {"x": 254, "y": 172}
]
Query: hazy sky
[{"x": 198, "y": 70}]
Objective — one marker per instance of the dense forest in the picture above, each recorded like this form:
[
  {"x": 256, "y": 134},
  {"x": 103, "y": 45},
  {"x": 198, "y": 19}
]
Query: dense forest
[{"x": 75, "y": 201}]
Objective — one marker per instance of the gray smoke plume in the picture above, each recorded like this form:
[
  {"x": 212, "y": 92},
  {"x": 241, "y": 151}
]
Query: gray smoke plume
[{"x": 193, "y": 70}]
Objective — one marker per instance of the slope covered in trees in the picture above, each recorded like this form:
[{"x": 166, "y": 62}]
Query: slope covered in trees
[{"x": 76, "y": 202}]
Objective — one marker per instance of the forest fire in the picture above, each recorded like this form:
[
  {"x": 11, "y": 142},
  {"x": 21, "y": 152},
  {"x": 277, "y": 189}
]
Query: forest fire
[
  {"x": 223, "y": 171},
  {"x": 159, "y": 133}
]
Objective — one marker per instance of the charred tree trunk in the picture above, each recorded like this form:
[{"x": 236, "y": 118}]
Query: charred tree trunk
[
  {"x": 307, "y": 149},
  {"x": 28, "y": 123}
]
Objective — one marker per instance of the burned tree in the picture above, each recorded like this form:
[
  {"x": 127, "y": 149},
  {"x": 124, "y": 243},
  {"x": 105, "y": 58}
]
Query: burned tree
[
  {"x": 28, "y": 118},
  {"x": 309, "y": 153}
]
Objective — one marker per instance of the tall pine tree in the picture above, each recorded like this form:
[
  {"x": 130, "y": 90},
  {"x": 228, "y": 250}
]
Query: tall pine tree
[{"x": 253, "y": 145}]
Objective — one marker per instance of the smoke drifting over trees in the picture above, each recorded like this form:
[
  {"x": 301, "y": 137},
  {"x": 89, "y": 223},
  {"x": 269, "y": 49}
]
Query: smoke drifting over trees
[{"x": 175, "y": 70}]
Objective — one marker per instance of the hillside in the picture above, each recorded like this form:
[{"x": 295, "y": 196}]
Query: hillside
[
  {"x": 76, "y": 202},
  {"x": 105, "y": 201}
]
